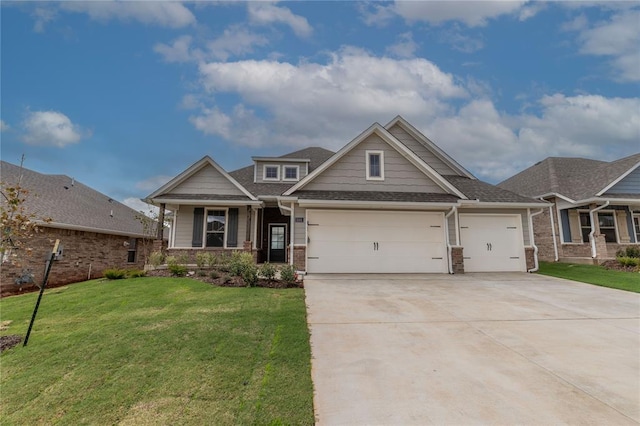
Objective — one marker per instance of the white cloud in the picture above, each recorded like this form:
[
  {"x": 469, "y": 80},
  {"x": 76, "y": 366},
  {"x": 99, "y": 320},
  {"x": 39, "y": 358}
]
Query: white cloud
[
  {"x": 618, "y": 38},
  {"x": 178, "y": 51},
  {"x": 160, "y": 13},
  {"x": 42, "y": 16},
  {"x": 4, "y": 126},
  {"x": 405, "y": 47},
  {"x": 463, "y": 43},
  {"x": 265, "y": 13},
  {"x": 311, "y": 103},
  {"x": 140, "y": 206},
  {"x": 235, "y": 41},
  {"x": 50, "y": 128},
  {"x": 471, "y": 13}
]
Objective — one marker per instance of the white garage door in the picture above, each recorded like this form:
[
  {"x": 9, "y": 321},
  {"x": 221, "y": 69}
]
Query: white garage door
[
  {"x": 375, "y": 242},
  {"x": 492, "y": 243}
]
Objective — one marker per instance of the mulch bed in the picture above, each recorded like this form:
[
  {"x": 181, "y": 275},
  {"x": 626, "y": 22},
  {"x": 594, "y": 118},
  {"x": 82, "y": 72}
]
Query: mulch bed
[
  {"x": 616, "y": 266},
  {"x": 7, "y": 342},
  {"x": 224, "y": 280}
]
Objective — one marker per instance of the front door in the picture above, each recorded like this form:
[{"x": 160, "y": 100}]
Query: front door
[{"x": 277, "y": 245}]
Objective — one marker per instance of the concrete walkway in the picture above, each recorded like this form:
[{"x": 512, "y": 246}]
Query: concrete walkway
[{"x": 472, "y": 349}]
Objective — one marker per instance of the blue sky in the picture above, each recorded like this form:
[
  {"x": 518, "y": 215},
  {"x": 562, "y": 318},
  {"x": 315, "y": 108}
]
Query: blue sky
[{"x": 124, "y": 95}]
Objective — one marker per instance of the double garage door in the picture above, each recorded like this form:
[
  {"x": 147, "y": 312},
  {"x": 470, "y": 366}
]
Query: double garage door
[
  {"x": 342, "y": 241},
  {"x": 375, "y": 242}
]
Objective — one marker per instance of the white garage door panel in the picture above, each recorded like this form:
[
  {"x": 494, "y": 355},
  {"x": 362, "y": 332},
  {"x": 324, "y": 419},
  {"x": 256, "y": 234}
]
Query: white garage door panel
[
  {"x": 345, "y": 241},
  {"x": 492, "y": 243}
]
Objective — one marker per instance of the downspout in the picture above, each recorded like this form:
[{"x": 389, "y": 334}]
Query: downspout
[
  {"x": 594, "y": 253},
  {"x": 553, "y": 234},
  {"x": 446, "y": 228},
  {"x": 291, "y": 225},
  {"x": 532, "y": 240}
]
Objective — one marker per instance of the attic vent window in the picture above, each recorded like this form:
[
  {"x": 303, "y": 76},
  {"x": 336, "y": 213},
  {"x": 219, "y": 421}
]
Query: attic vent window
[
  {"x": 271, "y": 172},
  {"x": 375, "y": 165}
]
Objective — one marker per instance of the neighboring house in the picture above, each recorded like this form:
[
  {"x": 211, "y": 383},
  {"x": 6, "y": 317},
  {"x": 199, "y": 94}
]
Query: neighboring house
[
  {"x": 96, "y": 232},
  {"x": 390, "y": 201},
  {"x": 596, "y": 206}
]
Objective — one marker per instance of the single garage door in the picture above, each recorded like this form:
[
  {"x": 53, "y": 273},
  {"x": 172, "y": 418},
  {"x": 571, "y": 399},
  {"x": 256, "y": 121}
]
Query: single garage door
[
  {"x": 492, "y": 243},
  {"x": 350, "y": 241}
]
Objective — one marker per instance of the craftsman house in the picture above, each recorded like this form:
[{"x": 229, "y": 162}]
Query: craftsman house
[
  {"x": 389, "y": 201},
  {"x": 596, "y": 206},
  {"x": 96, "y": 232}
]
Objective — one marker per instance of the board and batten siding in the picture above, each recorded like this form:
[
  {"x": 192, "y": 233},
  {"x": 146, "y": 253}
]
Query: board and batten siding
[
  {"x": 184, "y": 225},
  {"x": 207, "y": 181},
  {"x": 349, "y": 172},
  {"x": 629, "y": 185},
  {"x": 523, "y": 219},
  {"x": 421, "y": 151},
  {"x": 259, "y": 166}
]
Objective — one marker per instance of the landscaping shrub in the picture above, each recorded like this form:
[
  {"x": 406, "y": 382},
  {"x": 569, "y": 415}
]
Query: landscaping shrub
[
  {"x": 136, "y": 273},
  {"x": 268, "y": 271},
  {"x": 115, "y": 274},
  {"x": 223, "y": 261},
  {"x": 202, "y": 273},
  {"x": 171, "y": 260},
  {"x": 288, "y": 274},
  {"x": 212, "y": 259},
  {"x": 178, "y": 270},
  {"x": 628, "y": 261},
  {"x": 250, "y": 274},
  {"x": 239, "y": 260},
  {"x": 631, "y": 251},
  {"x": 156, "y": 259},
  {"x": 201, "y": 258},
  {"x": 182, "y": 259},
  {"x": 214, "y": 275}
]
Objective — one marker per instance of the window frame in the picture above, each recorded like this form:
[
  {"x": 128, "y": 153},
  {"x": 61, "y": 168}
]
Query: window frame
[
  {"x": 380, "y": 154},
  {"x": 224, "y": 232},
  {"x": 635, "y": 218},
  {"x": 132, "y": 250},
  {"x": 284, "y": 173},
  {"x": 585, "y": 237},
  {"x": 264, "y": 172}
]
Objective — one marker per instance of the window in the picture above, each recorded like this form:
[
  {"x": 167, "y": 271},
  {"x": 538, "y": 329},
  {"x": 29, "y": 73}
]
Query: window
[
  {"x": 375, "y": 165},
  {"x": 606, "y": 223},
  {"x": 636, "y": 227},
  {"x": 271, "y": 172},
  {"x": 290, "y": 172},
  {"x": 216, "y": 221},
  {"x": 131, "y": 251}
]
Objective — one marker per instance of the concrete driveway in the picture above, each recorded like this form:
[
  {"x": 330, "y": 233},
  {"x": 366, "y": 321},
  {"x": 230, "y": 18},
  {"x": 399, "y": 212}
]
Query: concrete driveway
[{"x": 472, "y": 349}]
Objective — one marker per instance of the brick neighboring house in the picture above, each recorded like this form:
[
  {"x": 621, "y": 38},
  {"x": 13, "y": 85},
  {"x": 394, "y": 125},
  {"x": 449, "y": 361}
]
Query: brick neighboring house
[
  {"x": 96, "y": 232},
  {"x": 596, "y": 206}
]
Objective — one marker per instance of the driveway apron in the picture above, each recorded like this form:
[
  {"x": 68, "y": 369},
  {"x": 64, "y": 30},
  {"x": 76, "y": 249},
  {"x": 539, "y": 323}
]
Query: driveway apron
[{"x": 508, "y": 348}]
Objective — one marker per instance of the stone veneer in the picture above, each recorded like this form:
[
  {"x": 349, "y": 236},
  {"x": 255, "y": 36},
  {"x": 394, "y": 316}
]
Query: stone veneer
[
  {"x": 529, "y": 255},
  {"x": 86, "y": 255},
  {"x": 457, "y": 260}
]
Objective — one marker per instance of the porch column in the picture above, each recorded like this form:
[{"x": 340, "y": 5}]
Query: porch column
[
  {"x": 623, "y": 226},
  {"x": 160, "y": 230},
  {"x": 247, "y": 236}
]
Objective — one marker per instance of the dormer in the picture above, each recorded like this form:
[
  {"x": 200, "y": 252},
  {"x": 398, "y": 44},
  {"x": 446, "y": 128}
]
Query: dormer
[{"x": 279, "y": 169}]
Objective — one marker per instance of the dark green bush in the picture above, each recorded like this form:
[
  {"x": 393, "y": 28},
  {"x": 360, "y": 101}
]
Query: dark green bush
[
  {"x": 214, "y": 275},
  {"x": 630, "y": 251},
  {"x": 268, "y": 271},
  {"x": 115, "y": 274},
  {"x": 628, "y": 261},
  {"x": 288, "y": 274},
  {"x": 250, "y": 274},
  {"x": 178, "y": 270}
]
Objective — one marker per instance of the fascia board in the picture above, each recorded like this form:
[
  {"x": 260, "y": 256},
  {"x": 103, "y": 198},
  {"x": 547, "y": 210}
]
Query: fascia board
[
  {"x": 485, "y": 205},
  {"x": 209, "y": 202},
  {"x": 88, "y": 229},
  {"x": 374, "y": 204},
  {"x": 615, "y": 181},
  {"x": 409, "y": 128}
]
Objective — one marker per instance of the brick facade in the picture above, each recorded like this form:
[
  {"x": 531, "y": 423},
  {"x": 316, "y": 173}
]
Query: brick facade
[
  {"x": 86, "y": 255},
  {"x": 529, "y": 255},
  {"x": 300, "y": 258},
  {"x": 457, "y": 260}
]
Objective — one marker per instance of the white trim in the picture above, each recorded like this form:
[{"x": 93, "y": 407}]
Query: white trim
[
  {"x": 172, "y": 235},
  {"x": 394, "y": 143},
  {"x": 284, "y": 172},
  {"x": 264, "y": 173},
  {"x": 190, "y": 171},
  {"x": 380, "y": 154},
  {"x": 555, "y": 194},
  {"x": 435, "y": 149},
  {"x": 617, "y": 180},
  {"x": 209, "y": 203},
  {"x": 389, "y": 205},
  {"x": 281, "y": 159},
  {"x": 87, "y": 229},
  {"x": 633, "y": 217},
  {"x": 471, "y": 204},
  {"x": 226, "y": 226}
]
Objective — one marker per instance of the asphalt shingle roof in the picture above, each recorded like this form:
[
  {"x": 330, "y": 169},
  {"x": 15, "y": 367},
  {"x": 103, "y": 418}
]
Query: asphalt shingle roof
[
  {"x": 478, "y": 190},
  {"x": 575, "y": 178},
  {"x": 70, "y": 202}
]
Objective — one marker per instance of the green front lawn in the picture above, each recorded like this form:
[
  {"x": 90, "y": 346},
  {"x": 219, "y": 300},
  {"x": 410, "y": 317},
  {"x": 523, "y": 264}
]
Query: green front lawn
[
  {"x": 593, "y": 274},
  {"x": 157, "y": 351}
]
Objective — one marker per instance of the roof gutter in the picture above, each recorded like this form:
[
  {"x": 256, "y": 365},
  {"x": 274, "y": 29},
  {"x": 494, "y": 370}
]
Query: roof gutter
[
  {"x": 532, "y": 239},
  {"x": 89, "y": 229},
  {"x": 592, "y": 239},
  {"x": 453, "y": 210}
]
